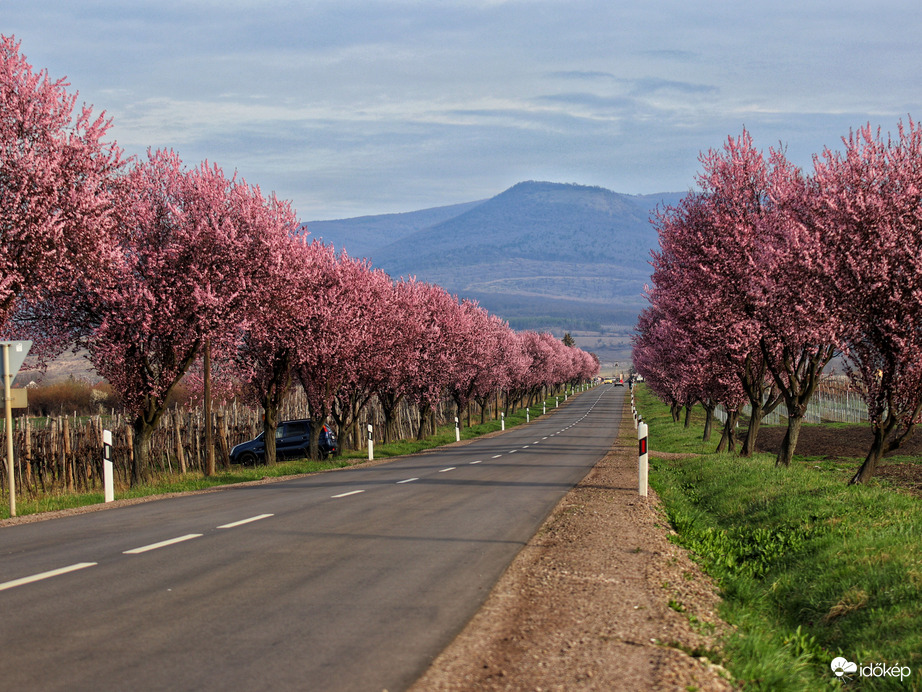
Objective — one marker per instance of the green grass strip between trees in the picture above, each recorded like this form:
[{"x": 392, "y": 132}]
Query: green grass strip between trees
[{"x": 810, "y": 568}]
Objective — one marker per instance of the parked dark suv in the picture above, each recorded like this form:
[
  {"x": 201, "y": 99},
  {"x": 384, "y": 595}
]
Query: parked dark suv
[{"x": 292, "y": 441}]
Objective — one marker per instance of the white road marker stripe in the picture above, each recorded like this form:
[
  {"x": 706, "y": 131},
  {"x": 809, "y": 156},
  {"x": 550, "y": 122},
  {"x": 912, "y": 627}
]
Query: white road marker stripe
[
  {"x": 497, "y": 456},
  {"x": 245, "y": 521},
  {"x": 161, "y": 544},
  {"x": 408, "y": 480},
  {"x": 45, "y": 575},
  {"x": 450, "y": 468},
  {"x": 352, "y": 492},
  {"x": 477, "y": 462}
]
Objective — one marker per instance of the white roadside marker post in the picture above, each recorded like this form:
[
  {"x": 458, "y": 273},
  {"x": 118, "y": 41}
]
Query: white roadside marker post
[
  {"x": 107, "y": 469},
  {"x": 371, "y": 443},
  {"x": 457, "y": 430},
  {"x": 642, "y": 471}
]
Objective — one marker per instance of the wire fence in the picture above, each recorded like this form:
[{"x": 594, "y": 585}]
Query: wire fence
[{"x": 833, "y": 402}]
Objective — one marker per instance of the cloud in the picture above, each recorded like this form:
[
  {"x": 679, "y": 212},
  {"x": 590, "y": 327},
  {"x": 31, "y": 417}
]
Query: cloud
[
  {"x": 380, "y": 106},
  {"x": 653, "y": 85}
]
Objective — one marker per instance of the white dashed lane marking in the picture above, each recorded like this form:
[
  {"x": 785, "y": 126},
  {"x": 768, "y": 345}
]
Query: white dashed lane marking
[
  {"x": 162, "y": 544},
  {"x": 44, "y": 575},
  {"x": 245, "y": 521},
  {"x": 352, "y": 492}
]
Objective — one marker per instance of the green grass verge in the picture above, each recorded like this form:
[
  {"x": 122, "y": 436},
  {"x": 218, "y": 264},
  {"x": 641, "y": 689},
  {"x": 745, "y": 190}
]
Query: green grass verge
[
  {"x": 810, "y": 569},
  {"x": 175, "y": 483}
]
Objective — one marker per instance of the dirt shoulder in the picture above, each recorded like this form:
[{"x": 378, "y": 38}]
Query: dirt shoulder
[{"x": 599, "y": 599}]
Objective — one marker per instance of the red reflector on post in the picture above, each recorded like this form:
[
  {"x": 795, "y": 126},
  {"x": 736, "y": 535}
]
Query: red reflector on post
[{"x": 643, "y": 445}]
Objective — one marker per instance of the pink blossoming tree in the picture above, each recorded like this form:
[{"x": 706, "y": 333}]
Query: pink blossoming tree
[
  {"x": 193, "y": 248},
  {"x": 55, "y": 201}
]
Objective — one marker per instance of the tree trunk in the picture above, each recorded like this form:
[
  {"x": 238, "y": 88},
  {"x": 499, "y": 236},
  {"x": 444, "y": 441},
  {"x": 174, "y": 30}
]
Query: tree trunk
[
  {"x": 676, "y": 409},
  {"x": 708, "y": 420},
  {"x": 140, "y": 446},
  {"x": 880, "y": 446},
  {"x": 752, "y": 432},
  {"x": 759, "y": 411},
  {"x": 458, "y": 413},
  {"x": 789, "y": 443},
  {"x": 688, "y": 413},
  {"x": 875, "y": 454},
  {"x": 389, "y": 403},
  {"x": 796, "y": 379},
  {"x": 209, "y": 421},
  {"x": 270, "y": 426},
  {"x": 728, "y": 437},
  {"x": 425, "y": 415},
  {"x": 483, "y": 403},
  {"x": 316, "y": 428},
  {"x": 180, "y": 454},
  {"x": 223, "y": 447}
]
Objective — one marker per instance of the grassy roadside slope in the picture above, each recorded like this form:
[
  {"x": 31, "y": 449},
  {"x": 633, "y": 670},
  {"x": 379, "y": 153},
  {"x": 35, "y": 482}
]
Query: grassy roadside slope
[{"x": 810, "y": 568}]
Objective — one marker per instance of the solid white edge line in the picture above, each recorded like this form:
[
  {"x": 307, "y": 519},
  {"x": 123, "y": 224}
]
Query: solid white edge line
[
  {"x": 408, "y": 480},
  {"x": 245, "y": 521},
  {"x": 351, "y": 492},
  {"x": 45, "y": 575},
  {"x": 161, "y": 544}
]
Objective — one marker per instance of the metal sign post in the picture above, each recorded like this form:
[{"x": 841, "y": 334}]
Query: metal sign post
[{"x": 14, "y": 353}]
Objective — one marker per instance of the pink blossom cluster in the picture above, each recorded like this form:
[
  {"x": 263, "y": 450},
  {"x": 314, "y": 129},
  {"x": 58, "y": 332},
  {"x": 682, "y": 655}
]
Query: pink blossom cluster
[{"x": 766, "y": 273}]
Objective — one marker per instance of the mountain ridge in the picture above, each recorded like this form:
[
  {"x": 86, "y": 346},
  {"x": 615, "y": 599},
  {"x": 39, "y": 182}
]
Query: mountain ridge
[{"x": 550, "y": 256}]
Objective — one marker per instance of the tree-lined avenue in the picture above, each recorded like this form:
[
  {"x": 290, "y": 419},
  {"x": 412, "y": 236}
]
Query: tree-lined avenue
[{"x": 348, "y": 580}]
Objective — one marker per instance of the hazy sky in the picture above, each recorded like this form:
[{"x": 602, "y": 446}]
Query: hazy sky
[{"x": 350, "y": 107}]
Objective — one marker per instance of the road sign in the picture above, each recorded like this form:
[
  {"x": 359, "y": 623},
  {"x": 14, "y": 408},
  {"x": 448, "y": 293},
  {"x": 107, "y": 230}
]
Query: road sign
[
  {"x": 19, "y": 398},
  {"x": 18, "y": 352}
]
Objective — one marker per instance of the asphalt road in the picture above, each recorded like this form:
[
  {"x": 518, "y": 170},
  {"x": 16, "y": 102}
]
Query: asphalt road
[{"x": 349, "y": 580}]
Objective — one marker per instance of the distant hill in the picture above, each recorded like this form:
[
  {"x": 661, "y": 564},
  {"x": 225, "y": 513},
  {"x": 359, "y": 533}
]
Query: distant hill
[
  {"x": 541, "y": 255},
  {"x": 544, "y": 222},
  {"x": 364, "y": 234}
]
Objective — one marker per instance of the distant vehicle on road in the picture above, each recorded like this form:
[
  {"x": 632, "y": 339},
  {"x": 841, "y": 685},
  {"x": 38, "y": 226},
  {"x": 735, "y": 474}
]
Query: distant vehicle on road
[
  {"x": 292, "y": 441},
  {"x": 619, "y": 382}
]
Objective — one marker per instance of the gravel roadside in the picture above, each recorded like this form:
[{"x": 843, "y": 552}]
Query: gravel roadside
[{"x": 599, "y": 599}]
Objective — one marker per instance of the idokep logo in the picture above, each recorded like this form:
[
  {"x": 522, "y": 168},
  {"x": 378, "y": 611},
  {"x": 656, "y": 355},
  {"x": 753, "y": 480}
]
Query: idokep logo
[{"x": 842, "y": 667}]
